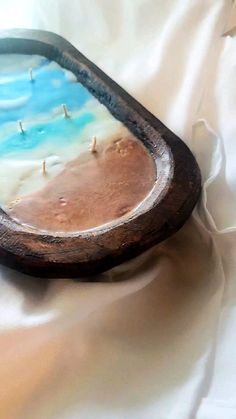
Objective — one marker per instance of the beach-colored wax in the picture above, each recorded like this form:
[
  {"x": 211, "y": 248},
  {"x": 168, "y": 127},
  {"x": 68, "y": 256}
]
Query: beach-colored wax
[
  {"x": 91, "y": 191},
  {"x": 49, "y": 179}
]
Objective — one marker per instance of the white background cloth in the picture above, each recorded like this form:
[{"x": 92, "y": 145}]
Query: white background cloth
[{"x": 160, "y": 344}]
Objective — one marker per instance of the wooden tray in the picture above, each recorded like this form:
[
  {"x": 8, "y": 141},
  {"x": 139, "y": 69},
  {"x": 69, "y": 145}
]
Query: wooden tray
[{"x": 161, "y": 214}]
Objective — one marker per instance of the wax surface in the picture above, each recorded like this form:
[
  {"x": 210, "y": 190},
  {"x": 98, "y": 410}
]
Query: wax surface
[
  {"x": 74, "y": 200},
  {"x": 78, "y": 189}
]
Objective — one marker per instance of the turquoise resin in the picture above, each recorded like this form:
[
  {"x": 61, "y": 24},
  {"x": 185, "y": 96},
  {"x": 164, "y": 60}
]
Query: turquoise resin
[{"x": 22, "y": 99}]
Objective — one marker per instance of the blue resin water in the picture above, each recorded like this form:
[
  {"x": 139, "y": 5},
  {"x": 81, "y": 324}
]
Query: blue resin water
[
  {"x": 48, "y": 135},
  {"x": 52, "y": 131},
  {"x": 22, "y": 99}
]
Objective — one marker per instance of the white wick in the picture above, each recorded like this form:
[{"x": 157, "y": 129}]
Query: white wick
[
  {"x": 65, "y": 110},
  {"x": 94, "y": 145},
  {"x": 44, "y": 168},
  {"x": 31, "y": 74},
  {"x": 21, "y": 127}
]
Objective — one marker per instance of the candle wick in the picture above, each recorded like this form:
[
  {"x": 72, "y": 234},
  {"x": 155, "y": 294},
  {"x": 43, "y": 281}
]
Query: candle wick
[
  {"x": 44, "y": 168},
  {"x": 21, "y": 127},
  {"x": 31, "y": 74},
  {"x": 94, "y": 145},
  {"x": 65, "y": 110}
]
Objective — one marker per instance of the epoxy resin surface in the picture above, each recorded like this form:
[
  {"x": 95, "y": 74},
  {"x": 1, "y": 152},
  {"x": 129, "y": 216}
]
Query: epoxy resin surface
[{"x": 64, "y": 169}]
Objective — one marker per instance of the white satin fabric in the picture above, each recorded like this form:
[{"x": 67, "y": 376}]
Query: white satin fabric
[{"x": 159, "y": 344}]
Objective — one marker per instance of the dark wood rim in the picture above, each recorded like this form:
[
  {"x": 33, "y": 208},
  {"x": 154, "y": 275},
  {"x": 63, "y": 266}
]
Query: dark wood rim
[{"x": 163, "y": 212}]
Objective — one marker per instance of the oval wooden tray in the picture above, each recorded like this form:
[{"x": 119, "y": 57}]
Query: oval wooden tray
[{"x": 161, "y": 214}]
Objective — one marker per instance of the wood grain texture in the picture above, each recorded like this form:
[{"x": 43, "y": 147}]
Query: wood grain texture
[{"x": 167, "y": 208}]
